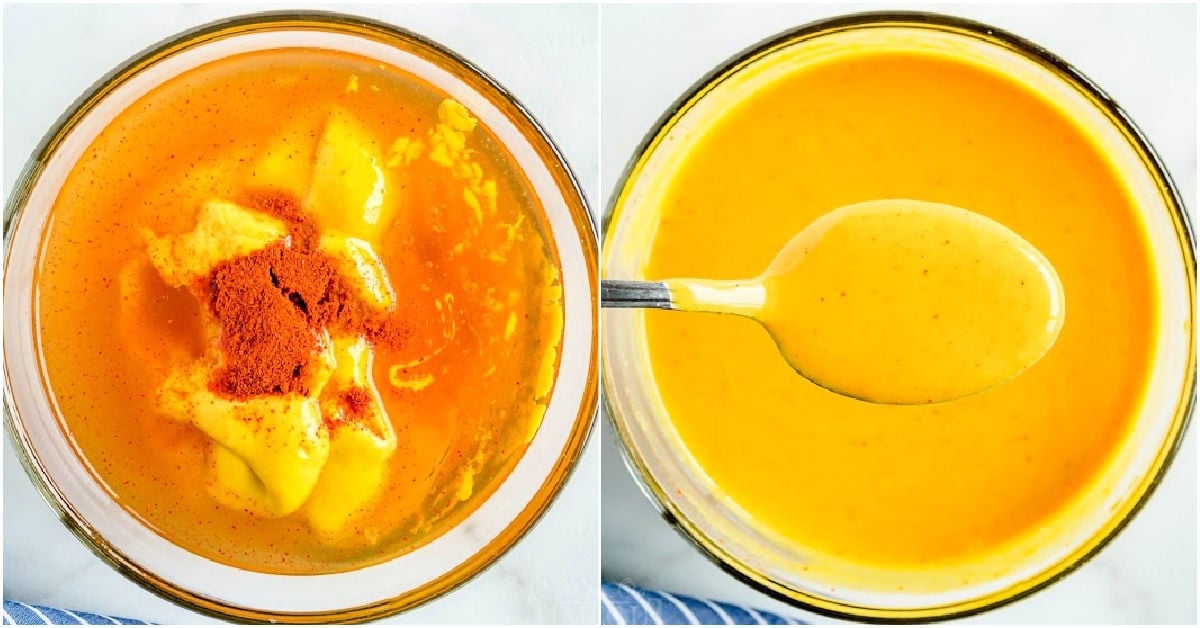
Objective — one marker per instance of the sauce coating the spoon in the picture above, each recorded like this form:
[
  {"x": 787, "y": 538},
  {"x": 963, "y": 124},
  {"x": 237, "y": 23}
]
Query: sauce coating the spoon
[
  {"x": 900, "y": 302},
  {"x": 908, "y": 302}
]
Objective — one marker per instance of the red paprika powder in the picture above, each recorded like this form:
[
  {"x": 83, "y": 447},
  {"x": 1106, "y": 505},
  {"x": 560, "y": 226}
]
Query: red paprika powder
[{"x": 272, "y": 305}]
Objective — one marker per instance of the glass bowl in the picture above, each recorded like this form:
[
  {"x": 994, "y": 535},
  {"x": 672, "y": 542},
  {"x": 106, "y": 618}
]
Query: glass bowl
[
  {"x": 689, "y": 500},
  {"x": 442, "y": 564}
]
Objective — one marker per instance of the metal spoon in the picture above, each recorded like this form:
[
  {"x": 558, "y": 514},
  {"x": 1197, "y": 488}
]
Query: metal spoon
[{"x": 892, "y": 301}]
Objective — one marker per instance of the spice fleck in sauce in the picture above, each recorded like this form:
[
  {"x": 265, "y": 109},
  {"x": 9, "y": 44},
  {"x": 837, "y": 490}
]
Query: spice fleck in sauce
[
  {"x": 299, "y": 311},
  {"x": 883, "y": 486}
]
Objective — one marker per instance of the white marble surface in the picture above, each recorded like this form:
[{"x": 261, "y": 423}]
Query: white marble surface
[
  {"x": 544, "y": 55},
  {"x": 1144, "y": 56}
]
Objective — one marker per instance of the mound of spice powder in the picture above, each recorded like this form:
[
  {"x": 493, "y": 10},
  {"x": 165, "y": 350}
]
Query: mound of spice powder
[{"x": 272, "y": 305}]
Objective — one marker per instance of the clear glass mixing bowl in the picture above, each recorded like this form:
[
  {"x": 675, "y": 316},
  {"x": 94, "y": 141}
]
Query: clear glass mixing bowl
[
  {"x": 154, "y": 562},
  {"x": 678, "y": 486}
]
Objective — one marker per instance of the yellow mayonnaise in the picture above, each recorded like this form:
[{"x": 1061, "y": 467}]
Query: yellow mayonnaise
[{"x": 274, "y": 455}]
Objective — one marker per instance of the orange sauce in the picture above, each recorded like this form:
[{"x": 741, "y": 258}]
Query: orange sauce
[{"x": 906, "y": 487}]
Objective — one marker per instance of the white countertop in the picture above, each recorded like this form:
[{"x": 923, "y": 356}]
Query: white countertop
[
  {"x": 1145, "y": 57},
  {"x": 546, "y": 57}
]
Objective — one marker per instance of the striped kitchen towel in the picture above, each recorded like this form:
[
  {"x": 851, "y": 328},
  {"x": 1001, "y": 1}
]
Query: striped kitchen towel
[
  {"x": 26, "y": 614},
  {"x": 622, "y": 604}
]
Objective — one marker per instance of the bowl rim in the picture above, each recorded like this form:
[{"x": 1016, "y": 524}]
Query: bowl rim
[
  {"x": 1184, "y": 409},
  {"x": 582, "y": 425}
]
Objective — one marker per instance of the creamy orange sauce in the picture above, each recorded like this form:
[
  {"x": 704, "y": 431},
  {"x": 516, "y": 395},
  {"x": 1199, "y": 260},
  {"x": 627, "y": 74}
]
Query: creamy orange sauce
[
  {"x": 463, "y": 244},
  {"x": 899, "y": 486}
]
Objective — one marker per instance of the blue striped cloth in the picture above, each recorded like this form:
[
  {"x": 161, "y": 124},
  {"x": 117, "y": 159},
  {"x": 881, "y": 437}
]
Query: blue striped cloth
[
  {"x": 26, "y": 614},
  {"x": 622, "y": 604}
]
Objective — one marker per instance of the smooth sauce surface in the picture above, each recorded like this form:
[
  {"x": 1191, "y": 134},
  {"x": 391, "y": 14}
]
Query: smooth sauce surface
[
  {"x": 908, "y": 302},
  {"x": 478, "y": 289},
  {"x": 902, "y": 486}
]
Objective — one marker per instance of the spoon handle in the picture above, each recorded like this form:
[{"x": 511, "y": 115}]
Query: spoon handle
[{"x": 625, "y": 293}]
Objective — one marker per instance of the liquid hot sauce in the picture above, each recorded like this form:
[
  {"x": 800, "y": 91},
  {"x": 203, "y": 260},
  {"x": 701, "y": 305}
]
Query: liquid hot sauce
[{"x": 299, "y": 311}]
